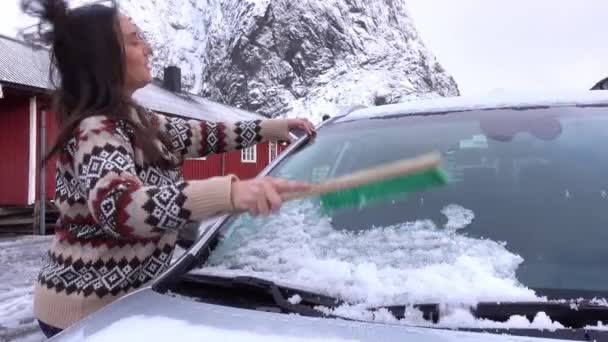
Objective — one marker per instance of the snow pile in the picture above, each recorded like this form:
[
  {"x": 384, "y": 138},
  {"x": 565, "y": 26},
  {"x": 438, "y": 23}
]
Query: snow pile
[
  {"x": 456, "y": 318},
  {"x": 295, "y": 299},
  {"x": 142, "y": 328},
  {"x": 600, "y": 326},
  {"x": 414, "y": 262},
  {"x": 463, "y": 318},
  {"x": 458, "y": 217},
  {"x": 599, "y": 302}
]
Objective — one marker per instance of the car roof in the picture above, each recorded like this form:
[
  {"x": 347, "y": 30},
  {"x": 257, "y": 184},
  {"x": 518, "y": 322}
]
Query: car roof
[{"x": 497, "y": 100}]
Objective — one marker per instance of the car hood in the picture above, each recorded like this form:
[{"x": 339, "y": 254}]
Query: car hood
[{"x": 146, "y": 315}]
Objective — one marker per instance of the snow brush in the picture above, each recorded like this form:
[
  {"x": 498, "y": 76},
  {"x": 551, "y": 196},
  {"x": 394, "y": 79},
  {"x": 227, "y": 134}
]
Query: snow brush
[{"x": 384, "y": 182}]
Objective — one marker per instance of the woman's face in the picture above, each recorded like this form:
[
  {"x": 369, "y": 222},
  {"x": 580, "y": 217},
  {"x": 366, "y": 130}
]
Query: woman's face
[{"x": 137, "y": 52}]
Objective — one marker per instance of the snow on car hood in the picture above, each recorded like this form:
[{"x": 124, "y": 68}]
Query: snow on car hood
[
  {"x": 289, "y": 329},
  {"x": 162, "y": 329},
  {"x": 413, "y": 262}
]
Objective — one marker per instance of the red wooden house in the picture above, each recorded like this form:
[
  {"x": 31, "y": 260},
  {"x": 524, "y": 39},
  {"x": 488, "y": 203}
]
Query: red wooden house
[{"x": 27, "y": 127}]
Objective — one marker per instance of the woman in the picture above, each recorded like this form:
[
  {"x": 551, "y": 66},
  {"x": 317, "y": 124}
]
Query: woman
[{"x": 120, "y": 190}]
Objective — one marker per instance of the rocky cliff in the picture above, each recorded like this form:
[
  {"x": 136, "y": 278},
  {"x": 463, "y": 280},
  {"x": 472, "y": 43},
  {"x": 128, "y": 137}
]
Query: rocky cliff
[{"x": 285, "y": 57}]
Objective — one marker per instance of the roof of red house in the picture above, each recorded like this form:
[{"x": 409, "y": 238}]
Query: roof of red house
[
  {"x": 26, "y": 65},
  {"x": 157, "y": 98},
  {"x": 23, "y": 64}
]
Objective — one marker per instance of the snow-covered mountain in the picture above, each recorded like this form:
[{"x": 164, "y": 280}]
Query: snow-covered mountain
[{"x": 305, "y": 57}]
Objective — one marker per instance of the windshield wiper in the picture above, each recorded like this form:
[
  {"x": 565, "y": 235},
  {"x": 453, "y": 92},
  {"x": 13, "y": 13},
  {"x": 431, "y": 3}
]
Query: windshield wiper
[
  {"x": 257, "y": 292},
  {"x": 571, "y": 315},
  {"x": 264, "y": 295}
]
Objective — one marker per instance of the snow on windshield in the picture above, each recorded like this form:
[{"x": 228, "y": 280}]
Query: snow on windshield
[
  {"x": 458, "y": 217},
  {"x": 413, "y": 262}
]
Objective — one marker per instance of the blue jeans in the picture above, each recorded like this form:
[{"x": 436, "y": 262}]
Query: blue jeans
[{"x": 47, "y": 330}]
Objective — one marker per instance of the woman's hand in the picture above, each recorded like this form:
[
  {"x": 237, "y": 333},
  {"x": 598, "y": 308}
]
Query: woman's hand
[
  {"x": 262, "y": 196},
  {"x": 302, "y": 124}
]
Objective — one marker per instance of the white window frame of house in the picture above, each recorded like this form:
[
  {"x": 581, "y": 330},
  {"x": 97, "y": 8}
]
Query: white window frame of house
[
  {"x": 249, "y": 155},
  {"x": 271, "y": 145}
]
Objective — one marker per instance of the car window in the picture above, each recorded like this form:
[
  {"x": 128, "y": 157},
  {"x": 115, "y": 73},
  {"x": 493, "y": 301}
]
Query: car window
[{"x": 525, "y": 210}]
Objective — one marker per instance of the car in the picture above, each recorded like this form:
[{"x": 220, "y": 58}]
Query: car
[{"x": 513, "y": 247}]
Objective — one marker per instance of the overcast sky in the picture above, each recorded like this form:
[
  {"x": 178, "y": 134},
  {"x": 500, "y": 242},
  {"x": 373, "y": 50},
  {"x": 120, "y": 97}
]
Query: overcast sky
[
  {"x": 11, "y": 17},
  {"x": 517, "y": 44},
  {"x": 497, "y": 44}
]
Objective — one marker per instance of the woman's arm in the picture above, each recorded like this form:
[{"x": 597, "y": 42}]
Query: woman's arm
[
  {"x": 117, "y": 198},
  {"x": 126, "y": 208},
  {"x": 194, "y": 138}
]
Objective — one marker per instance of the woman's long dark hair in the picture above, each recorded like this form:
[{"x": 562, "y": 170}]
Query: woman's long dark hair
[{"x": 88, "y": 55}]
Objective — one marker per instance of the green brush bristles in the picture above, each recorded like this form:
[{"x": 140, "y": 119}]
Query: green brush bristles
[{"x": 375, "y": 192}]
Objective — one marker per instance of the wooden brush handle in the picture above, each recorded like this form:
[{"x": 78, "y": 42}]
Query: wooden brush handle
[{"x": 380, "y": 173}]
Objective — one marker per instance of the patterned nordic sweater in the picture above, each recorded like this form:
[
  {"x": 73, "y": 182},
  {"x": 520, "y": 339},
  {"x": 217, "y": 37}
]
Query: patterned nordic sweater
[{"x": 120, "y": 216}]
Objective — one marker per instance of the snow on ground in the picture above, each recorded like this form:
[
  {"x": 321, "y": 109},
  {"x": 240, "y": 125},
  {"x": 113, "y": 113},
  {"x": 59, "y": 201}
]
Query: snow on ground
[
  {"x": 413, "y": 262},
  {"x": 20, "y": 261}
]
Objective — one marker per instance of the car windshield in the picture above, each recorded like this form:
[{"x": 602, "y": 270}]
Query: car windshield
[{"x": 524, "y": 212}]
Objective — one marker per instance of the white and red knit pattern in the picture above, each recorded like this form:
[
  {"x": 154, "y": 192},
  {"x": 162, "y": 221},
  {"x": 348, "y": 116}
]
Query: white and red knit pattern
[{"x": 119, "y": 215}]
